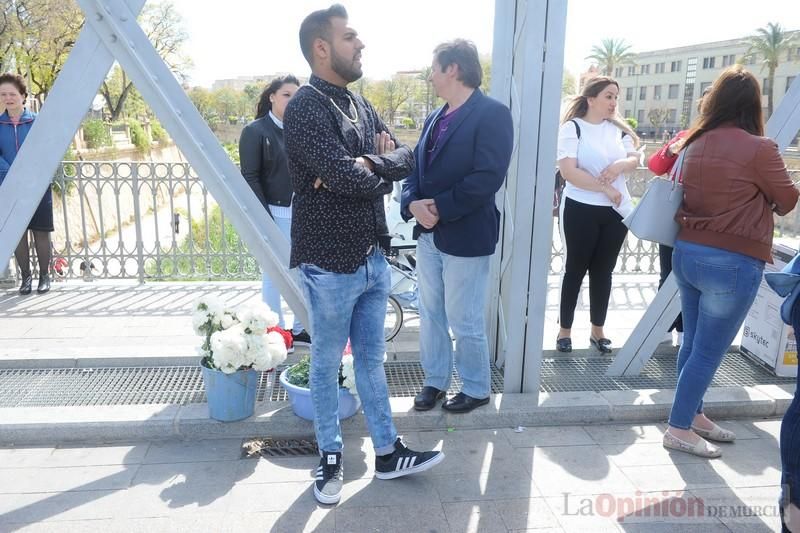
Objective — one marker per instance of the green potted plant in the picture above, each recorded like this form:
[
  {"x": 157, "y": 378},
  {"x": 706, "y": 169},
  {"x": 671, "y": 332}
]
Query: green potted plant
[{"x": 295, "y": 380}]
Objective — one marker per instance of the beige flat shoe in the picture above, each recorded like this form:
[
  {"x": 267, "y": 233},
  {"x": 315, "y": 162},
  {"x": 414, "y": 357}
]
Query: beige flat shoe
[
  {"x": 701, "y": 449},
  {"x": 716, "y": 434}
]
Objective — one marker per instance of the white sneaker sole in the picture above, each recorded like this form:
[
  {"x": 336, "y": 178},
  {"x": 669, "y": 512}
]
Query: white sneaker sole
[
  {"x": 430, "y": 463},
  {"x": 325, "y": 499}
]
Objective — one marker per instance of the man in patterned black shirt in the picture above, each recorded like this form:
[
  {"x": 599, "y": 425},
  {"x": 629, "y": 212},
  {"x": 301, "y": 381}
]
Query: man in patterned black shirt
[{"x": 342, "y": 161}]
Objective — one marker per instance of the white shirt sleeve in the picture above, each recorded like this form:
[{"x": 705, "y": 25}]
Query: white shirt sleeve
[
  {"x": 567, "y": 141},
  {"x": 627, "y": 142}
]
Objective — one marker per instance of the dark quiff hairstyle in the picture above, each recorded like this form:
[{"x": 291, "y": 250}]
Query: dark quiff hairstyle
[
  {"x": 464, "y": 54},
  {"x": 318, "y": 26},
  {"x": 580, "y": 104},
  {"x": 17, "y": 81},
  {"x": 734, "y": 97},
  {"x": 264, "y": 106}
]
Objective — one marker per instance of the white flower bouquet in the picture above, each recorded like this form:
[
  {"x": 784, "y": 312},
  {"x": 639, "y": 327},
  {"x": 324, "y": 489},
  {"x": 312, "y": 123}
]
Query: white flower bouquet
[{"x": 237, "y": 339}]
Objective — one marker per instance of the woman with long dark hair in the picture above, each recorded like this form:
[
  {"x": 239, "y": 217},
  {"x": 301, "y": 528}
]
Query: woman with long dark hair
[
  {"x": 262, "y": 156},
  {"x": 596, "y": 148},
  {"x": 15, "y": 123},
  {"x": 733, "y": 180}
]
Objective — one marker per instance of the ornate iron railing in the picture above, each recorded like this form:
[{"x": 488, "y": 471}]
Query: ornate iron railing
[{"x": 157, "y": 221}]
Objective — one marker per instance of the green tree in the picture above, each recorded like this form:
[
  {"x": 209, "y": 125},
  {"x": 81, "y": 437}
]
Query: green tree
[
  {"x": 36, "y": 37},
  {"x": 632, "y": 122},
  {"x": 430, "y": 95},
  {"x": 252, "y": 92},
  {"x": 769, "y": 43},
  {"x": 610, "y": 54},
  {"x": 569, "y": 85},
  {"x": 203, "y": 101},
  {"x": 657, "y": 116},
  {"x": 165, "y": 28},
  {"x": 486, "y": 68},
  {"x": 388, "y": 95}
]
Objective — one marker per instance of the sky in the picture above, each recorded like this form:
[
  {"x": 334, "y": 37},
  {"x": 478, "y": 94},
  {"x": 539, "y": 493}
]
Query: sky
[{"x": 255, "y": 37}]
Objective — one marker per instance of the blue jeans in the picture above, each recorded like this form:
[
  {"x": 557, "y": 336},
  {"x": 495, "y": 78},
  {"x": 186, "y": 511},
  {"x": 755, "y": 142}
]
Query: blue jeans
[
  {"x": 354, "y": 306},
  {"x": 790, "y": 435},
  {"x": 269, "y": 292},
  {"x": 452, "y": 295},
  {"x": 717, "y": 288}
]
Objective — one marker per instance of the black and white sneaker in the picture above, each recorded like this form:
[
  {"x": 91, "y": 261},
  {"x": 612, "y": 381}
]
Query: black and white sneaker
[
  {"x": 404, "y": 462},
  {"x": 302, "y": 338},
  {"x": 328, "y": 485}
]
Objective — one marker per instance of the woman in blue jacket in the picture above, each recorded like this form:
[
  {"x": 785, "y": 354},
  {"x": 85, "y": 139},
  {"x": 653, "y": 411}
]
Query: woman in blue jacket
[{"x": 15, "y": 123}]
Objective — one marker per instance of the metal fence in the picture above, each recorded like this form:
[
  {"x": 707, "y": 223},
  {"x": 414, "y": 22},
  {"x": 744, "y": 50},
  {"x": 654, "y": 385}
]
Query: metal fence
[{"x": 157, "y": 221}]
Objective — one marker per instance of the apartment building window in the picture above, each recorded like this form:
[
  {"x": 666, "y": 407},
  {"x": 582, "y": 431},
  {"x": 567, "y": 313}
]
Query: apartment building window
[
  {"x": 659, "y": 68},
  {"x": 629, "y": 94},
  {"x": 703, "y": 86},
  {"x": 618, "y": 72},
  {"x": 675, "y": 66},
  {"x": 708, "y": 62},
  {"x": 642, "y": 93},
  {"x": 632, "y": 70},
  {"x": 751, "y": 59},
  {"x": 640, "y": 117},
  {"x": 672, "y": 116},
  {"x": 789, "y": 80},
  {"x": 728, "y": 60},
  {"x": 673, "y": 91},
  {"x": 657, "y": 92},
  {"x": 765, "y": 87},
  {"x": 645, "y": 69},
  {"x": 627, "y": 113}
]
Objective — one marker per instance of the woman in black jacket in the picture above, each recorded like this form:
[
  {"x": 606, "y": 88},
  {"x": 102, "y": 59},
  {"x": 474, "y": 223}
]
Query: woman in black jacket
[{"x": 262, "y": 156}]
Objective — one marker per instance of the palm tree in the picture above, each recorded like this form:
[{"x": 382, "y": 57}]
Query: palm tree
[
  {"x": 611, "y": 53},
  {"x": 769, "y": 43}
]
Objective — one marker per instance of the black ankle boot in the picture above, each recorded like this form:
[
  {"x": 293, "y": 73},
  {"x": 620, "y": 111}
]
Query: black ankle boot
[
  {"x": 44, "y": 284},
  {"x": 25, "y": 286}
]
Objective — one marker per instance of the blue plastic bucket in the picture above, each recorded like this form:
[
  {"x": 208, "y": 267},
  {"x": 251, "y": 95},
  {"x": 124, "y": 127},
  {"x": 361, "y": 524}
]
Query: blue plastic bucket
[
  {"x": 230, "y": 396},
  {"x": 300, "y": 398}
]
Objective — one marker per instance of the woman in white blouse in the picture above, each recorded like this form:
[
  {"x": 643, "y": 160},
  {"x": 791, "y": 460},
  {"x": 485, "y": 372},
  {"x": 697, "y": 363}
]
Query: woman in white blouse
[{"x": 596, "y": 148}]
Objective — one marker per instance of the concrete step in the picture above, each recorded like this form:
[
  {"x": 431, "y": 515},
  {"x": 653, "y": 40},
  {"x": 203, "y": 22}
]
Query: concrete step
[{"x": 31, "y": 426}]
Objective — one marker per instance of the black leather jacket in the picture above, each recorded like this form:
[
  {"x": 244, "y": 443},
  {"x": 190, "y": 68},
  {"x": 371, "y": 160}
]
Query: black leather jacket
[{"x": 262, "y": 157}]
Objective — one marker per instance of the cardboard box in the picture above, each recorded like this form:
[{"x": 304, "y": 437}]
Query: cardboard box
[{"x": 765, "y": 338}]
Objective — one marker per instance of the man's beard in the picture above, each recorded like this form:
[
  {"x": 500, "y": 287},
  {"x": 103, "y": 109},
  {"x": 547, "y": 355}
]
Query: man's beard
[{"x": 344, "y": 68}]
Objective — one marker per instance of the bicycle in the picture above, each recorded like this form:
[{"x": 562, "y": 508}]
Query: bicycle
[{"x": 404, "y": 294}]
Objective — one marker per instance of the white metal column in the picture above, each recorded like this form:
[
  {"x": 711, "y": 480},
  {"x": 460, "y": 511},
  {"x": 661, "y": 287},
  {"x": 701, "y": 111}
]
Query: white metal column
[
  {"x": 529, "y": 73},
  {"x": 782, "y": 126},
  {"x": 112, "y": 32}
]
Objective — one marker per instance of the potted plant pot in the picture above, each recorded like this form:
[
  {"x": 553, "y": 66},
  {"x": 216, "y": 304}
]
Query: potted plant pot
[
  {"x": 230, "y": 396},
  {"x": 300, "y": 398}
]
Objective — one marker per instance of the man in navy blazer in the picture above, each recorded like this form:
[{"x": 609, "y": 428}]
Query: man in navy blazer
[{"x": 461, "y": 162}]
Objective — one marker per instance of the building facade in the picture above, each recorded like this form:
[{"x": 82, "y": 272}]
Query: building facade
[{"x": 660, "y": 89}]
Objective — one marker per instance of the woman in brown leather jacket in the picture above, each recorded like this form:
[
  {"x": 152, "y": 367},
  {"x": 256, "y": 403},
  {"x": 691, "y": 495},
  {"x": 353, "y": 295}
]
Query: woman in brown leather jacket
[{"x": 734, "y": 179}]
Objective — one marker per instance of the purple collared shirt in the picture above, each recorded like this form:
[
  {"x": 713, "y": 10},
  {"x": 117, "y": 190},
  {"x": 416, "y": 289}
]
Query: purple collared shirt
[{"x": 439, "y": 128}]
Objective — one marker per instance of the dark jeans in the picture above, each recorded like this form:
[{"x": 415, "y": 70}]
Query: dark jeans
[
  {"x": 665, "y": 259},
  {"x": 594, "y": 235},
  {"x": 790, "y": 435}
]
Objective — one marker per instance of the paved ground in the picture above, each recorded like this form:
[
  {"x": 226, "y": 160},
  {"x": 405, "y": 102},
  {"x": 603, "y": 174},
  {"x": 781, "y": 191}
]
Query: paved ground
[
  {"x": 80, "y": 319},
  {"x": 569, "y": 479}
]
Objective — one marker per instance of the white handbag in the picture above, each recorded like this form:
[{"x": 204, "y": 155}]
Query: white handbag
[{"x": 653, "y": 218}]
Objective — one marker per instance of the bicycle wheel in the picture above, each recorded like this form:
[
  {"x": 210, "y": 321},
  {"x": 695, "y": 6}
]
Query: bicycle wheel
[{"x": 394, "y": 319}]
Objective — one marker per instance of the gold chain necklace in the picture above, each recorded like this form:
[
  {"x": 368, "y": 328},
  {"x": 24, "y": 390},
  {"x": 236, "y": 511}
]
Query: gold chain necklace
[{"x": 345, "y": 115}]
